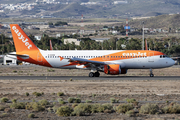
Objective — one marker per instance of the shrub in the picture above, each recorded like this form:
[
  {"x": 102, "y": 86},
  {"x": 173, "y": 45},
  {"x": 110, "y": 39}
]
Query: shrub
[
  {"x": 60, "y": 94},
  {"x": 113, "y": 100},
  {"x": 62, "y": 102},
  {"x": 55, "y": 108},
  {"x": 4, "y": 99},
  {"x": 104, "y": 107},
  {"x": 123, "y": 108},
  {"x": 130, "y": 113},
  {"x": 74, "y": 105},
  {"x": 31, "y": 115},
  {"x": 51, "y": 70},
  {"x": 59, "y": 99},
  {"x": 2, "y": 108},
  {"x": 149, "y": 109},
  {"x": 94, "y": 108},
  {"x": 27, "y": 94},
  {"x": 18, "y": 105},
  {"x": 15, "y": 71},
  {"x": 70, "y": 100},
  {"x": 131, "y": 100},
  {"x": 172, "y": 108},
  {"x": 82, "y": 109},
  {"x": 77, "y": 100},
  {"x": 36, "y": 94},
  {"x": 64, "y": 111},
  {"x": 14, "y": 100},
  {"x": 34, "y": 106},
  {"x": 88, "y": 101},
  {"x": 43, "y": 102},
  {"x": 107, "y": 106}
]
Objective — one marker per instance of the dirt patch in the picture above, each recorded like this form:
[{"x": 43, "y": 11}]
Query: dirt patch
[{"x": 159, "y": 92}]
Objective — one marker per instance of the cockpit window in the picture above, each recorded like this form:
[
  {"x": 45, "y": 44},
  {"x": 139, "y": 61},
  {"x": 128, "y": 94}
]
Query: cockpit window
[{"x": 163, "y": 56}]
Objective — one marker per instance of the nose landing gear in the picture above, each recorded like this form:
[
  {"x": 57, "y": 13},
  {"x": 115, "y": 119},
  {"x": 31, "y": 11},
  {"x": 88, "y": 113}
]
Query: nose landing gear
[{"x": 151, "y": 73}]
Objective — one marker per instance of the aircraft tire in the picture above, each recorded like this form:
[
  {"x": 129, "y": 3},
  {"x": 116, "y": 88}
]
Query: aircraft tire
[
  {"x": 151, "y": 75},
  {"x": 96, "y": 74},
  {"x": 91, "y": 74}
]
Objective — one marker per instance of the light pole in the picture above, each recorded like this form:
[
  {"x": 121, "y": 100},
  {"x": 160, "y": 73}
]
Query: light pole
[
  {"x": 2, "y": 43},
  {"x": 143, "y": 37}
]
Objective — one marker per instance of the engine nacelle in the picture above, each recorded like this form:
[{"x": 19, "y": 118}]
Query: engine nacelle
[{"x": 114, "y": 69}]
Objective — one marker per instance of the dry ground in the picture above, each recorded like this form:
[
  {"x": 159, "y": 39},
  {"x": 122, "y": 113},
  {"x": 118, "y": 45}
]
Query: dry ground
[{"x": 141, "y": 90}]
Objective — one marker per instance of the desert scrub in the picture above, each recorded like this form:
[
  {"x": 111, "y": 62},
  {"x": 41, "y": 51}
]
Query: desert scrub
[
  {"x": 82, "y": 109},
  {"x": 36, "y": 94},
  {"x": 14, "y": 100},
  {"x": 64, "y": 111},
  {"x": 130, "y": 113},
  {"x": 34, "y": 106},
  {"x": 70, "y": 100},
  {"x": 62, "y": 102},
  {"x": 60, "y": 94},
  {"x": 112, "y": 100},
  {"x": 88, "y": 101},
  {"x": 2, "y": 108},
  {"x": 105, "y": 107},
  {"x": 173, "y": 108},
  {"x": 31, "y": 115},
  {"x": 123, "y": 108},
  {"x": 14, "y": 71},
  {"x": 18, "y": 105},
  {"x": 50, "y": 70},
  {"x": 55, "y": 108},
  {"x": 74, "y": 105},
  {"x": 43, "y": 102},
  {"x": 27, "y": 94},
  {"x": 4, "y": 99},
  {"x": 77, "y": 100},
  {"x": 130, "y": 100},
  {"x": 149, "y": 109}
]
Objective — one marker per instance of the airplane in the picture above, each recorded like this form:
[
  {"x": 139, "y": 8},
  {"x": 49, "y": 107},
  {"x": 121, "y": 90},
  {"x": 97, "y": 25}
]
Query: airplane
[{"x": 112, "y": 62}]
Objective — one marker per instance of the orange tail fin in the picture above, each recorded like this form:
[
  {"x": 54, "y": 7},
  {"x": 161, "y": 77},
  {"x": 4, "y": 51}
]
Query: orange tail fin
[
  {"x": 51, "y": 48},
  {"x": 21, "y": 41}
]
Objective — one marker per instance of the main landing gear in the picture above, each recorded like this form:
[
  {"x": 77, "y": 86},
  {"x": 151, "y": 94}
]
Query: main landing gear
[
  {"x": 151, "y": 73},
  {"x": 96, "y": 74}
]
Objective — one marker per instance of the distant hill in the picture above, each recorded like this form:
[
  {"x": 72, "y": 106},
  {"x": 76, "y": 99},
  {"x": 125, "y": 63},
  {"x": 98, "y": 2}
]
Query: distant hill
[
  {"x": 105, "y": 9},
  {"x": 162, "y": 21}
]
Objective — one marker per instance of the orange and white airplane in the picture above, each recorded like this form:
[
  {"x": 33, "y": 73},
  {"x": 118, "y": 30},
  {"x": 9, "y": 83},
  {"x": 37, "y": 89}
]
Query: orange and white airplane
[{"x": 113, "y": 62}]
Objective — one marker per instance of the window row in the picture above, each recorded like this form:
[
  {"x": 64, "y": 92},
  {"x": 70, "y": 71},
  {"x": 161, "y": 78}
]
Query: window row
[{"x": 97, "y": 56}]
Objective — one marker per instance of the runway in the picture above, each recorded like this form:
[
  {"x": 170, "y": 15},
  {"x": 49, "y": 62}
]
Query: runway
[{"x": 88, "y": 78}]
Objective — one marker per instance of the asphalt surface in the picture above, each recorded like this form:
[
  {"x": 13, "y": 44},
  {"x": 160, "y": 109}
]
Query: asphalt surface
[{"x": 88, "y": 78}]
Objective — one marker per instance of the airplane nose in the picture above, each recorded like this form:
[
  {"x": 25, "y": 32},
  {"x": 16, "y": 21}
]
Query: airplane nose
[{"x": 172, "y": 62}]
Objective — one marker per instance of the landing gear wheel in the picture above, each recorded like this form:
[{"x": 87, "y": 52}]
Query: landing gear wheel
[
  {"x": 151, "y": 75},
  {"x": 91, "y": 74},
  {"x": 96, "y": 74}
]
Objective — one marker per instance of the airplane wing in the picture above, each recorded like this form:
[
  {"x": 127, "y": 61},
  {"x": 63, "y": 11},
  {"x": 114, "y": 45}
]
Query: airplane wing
[{"x": 86, "y": 62}]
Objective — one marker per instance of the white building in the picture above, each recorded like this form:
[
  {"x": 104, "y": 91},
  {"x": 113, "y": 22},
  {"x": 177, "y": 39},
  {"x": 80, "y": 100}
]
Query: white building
[
  {"x": 70, "y": 40},
  {"x": 120, "y": 2},
  {"x": 10, "y": 59}
]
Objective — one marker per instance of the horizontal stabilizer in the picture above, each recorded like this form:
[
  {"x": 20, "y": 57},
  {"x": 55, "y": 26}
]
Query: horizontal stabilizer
[{"x": 18, "y": 55}]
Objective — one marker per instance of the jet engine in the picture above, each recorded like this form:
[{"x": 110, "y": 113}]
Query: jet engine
[{"x": 114, "y": 69}]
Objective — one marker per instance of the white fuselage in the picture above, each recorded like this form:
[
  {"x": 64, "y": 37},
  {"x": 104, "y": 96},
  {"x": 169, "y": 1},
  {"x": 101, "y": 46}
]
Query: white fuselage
[{"x": 129, "y": 62}]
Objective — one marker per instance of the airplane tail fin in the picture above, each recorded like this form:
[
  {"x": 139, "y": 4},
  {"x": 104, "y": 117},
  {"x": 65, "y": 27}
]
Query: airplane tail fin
[
  {"x": 21, "y": 41},
  {"x": 51, "y": 48}
]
